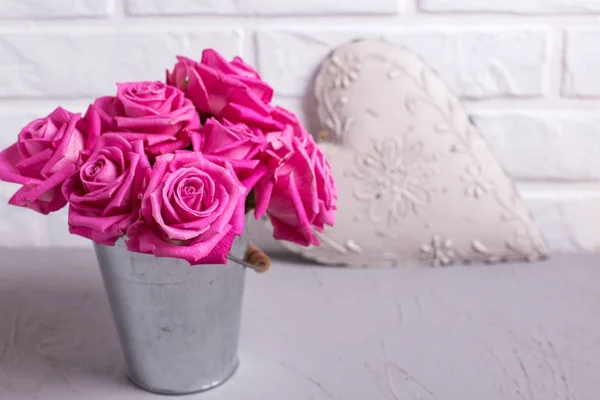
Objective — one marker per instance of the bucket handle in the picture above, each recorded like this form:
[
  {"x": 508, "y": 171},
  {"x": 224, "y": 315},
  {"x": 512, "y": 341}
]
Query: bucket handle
[{"x": 254, "y": 258}]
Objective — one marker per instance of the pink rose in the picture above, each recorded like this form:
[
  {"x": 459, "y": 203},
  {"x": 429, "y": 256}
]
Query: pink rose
[
  {"x": 225, "y": 90},
  {"x": 300, "y": 191},
  {"x": 156, "y": 113},
  {"x": 286, "y": 117},
  {"x": 104, "y": 194},
  {"x": 236, "y": 143},
  {"x": 242, "y": 71},
  {"x": 191, "y": 209},
  {"x": 45, "y": 154},
  {"x": 327, "y": 192}
]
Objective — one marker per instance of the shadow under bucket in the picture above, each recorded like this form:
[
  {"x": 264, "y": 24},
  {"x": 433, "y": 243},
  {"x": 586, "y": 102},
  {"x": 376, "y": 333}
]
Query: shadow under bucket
[{"x": 178, "y": 324}]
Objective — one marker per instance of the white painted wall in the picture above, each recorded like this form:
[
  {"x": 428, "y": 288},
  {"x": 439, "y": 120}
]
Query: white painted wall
[{"x": 527, "y": 70}]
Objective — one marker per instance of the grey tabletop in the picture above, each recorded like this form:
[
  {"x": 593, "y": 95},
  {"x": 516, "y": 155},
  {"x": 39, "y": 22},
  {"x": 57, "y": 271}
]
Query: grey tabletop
[{"x": 514, "y": 331}]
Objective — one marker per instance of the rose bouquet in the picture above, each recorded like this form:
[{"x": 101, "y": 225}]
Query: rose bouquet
[{"x": 174, "y": 166}]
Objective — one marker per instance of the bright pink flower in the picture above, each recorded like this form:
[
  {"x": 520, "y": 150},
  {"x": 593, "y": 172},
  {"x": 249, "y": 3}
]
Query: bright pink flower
[
  {"x": 242, "y": 71},
  {"x": 299, "y": 192},
  {"x": 104, "y": 194},
  {"x": 236, "y": 143},
  {"x": 284, "y": 116},
  {"x": 156, "y": 113},
  {"x": 219, "y": 89},
  {"x": 327, "y": 192},
  {"x": 191, "y": 209},
  {"x": 45, "y": 154}
]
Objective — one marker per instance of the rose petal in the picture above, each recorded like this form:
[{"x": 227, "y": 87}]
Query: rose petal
[{"x": 44, "y": 197}]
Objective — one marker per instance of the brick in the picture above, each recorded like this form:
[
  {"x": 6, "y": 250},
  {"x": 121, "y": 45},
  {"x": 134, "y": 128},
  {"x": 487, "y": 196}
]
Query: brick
[
  {"x": 512, "y": 6},
  {"x": 15, "y": 9},
  {"x": 261, "y": 7},
  {"x": 88, "y": 64},
  {"x": 57, "y": 231},
  {"x": 20, "y": 227},
  {"x": 569, "y": 221},
  {"x": 581, "y": 63},
  {"x": 13, "y": 121},
  {"x": 475, "y": 63},
  {"x": 181, "y": 7},
  {"x": 563, "y": 146}
]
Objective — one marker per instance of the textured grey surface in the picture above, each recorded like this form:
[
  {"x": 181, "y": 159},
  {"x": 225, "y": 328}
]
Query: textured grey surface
[{"x": 503, "y": 332}]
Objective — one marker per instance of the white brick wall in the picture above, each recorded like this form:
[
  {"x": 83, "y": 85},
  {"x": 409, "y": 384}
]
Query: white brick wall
[
  {"x": 88, "y": 64},
  {"x": 529, "y": 71},
  {"x": 477, "y": 63},
  {"x": 264, "y": 7},
  {"x": 545, "y": 146},
  {"x": 55, "y": 9},
  {"x": 581, "y": 63},
  {"x": 513, "y": 6}
]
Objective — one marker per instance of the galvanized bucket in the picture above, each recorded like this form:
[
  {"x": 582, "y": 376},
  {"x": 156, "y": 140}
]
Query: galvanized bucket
[{"x": 178, "y": 325}]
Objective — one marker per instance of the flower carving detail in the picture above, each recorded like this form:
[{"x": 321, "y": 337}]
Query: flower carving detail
[
  {"x": 345, "y": 71},
  {"x": 393, "y": 179},
  {"x": 476, "y": 186},
  {"x": 438, "y": 252}
]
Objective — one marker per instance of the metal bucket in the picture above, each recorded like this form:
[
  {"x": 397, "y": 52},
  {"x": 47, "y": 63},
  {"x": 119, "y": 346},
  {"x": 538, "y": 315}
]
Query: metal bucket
[{"x": 178, "y": 325}]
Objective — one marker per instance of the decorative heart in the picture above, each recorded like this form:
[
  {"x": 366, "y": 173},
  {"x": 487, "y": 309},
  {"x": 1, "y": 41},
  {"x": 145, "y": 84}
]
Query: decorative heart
[{"x": 417, "y": 181}]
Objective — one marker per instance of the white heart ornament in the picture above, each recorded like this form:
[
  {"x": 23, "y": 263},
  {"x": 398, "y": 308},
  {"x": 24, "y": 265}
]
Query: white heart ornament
[{"x": 417, "y": 181}]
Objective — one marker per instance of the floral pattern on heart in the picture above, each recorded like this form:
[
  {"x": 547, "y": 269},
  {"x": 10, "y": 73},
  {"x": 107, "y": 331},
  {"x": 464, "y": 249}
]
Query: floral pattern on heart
[{"x": 392, "y": 179}]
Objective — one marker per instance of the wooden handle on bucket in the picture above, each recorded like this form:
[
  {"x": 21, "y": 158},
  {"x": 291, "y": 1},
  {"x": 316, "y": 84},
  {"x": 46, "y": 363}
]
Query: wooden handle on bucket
[{"x": 257, "y": 257}]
